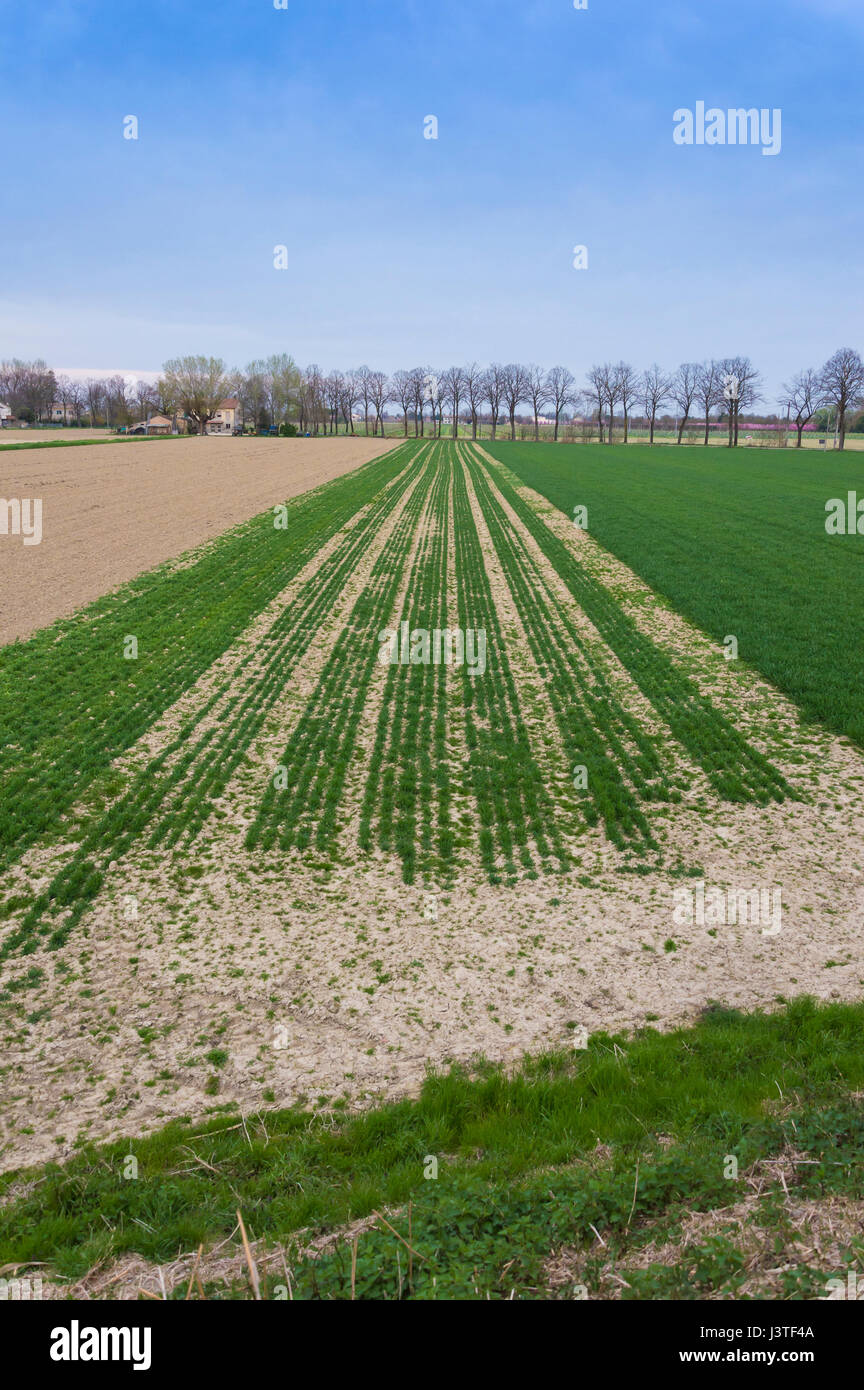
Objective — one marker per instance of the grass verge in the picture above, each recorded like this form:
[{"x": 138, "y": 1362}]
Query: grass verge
[{"x": 597, "y": 1152}]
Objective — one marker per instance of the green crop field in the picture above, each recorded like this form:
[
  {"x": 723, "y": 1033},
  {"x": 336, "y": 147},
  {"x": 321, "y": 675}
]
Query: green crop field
[
  {"x": 737, "y": 543},
  {"x": 521, "y": 808}
]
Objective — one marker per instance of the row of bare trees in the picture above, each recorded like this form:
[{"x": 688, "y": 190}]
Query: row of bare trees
[
  {"x": 695, "y": 391},
  {"x": 837, "y": 388},
  {"x": 274, "y": 392}
]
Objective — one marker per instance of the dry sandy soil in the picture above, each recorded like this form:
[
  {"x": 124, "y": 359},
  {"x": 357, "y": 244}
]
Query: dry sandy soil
[
  {"x": 113, "y": 511},
  {"x": 68, "y": 436}
]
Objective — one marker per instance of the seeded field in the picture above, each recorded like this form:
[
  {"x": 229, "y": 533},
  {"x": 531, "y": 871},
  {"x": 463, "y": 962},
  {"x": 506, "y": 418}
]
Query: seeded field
[
  {"x": 245, "y": 860},
  {"x": 112, "y": 510}
]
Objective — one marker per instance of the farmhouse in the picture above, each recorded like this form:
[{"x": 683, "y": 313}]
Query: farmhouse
[{"x": 228, "y": 418}]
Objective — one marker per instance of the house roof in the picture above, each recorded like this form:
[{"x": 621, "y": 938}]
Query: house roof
[{"x": 231, "y": 404}]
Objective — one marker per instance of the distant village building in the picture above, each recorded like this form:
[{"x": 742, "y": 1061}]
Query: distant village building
[
  {"x": 157, "y": 424},
  {"x": 5, "y": 415},
  {"x": 228, "y": 418}
]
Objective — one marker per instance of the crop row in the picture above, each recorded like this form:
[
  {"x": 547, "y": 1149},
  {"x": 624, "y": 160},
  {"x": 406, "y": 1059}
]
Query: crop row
[
  {"x": 408, "y": 796},
  {"x": 174, "y": 792},
  {"x": 301, "y": 802},
  {"x": 69, "y": 702},
  {"x": 513, "y": 802},
  {"x": 620, "y": 763},
  {"x": 737, "y": 771}
]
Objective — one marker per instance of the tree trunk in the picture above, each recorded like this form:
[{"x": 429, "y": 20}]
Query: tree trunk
[
  {"x": 681, "y": 427},
  {"x": 651, "y": 439},
  {"x": 707, "y": 429}
]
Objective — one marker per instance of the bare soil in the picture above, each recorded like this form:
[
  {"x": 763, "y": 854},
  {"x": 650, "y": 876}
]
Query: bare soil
[{"x": 111, "y": 512}]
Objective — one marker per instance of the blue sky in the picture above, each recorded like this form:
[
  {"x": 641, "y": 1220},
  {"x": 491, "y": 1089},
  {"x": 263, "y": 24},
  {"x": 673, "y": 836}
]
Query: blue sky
[{"x": 304, "y": 127}]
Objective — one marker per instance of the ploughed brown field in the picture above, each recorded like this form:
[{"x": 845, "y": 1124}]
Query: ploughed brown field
[{"x": 111, "y": 512}]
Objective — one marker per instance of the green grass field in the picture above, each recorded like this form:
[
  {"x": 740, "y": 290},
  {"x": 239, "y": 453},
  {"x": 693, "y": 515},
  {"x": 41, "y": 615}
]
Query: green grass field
[{"x": 737, "y": 544}]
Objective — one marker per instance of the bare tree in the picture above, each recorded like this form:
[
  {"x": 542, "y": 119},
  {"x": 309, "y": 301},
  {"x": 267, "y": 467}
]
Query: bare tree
[
  {"x": 475, "y": 393},
  {"x": 418, "y": 399},
  {"x": 709, "y": 391},
  {"x": 804, "y": 395},
  {"x": 537, "y": 392},
  {"x": 76, "y": 396},
  {"x": 312, "y": 401},
  {"x": 28, "y": 388},
  {"x": 380, "y": 392},
  {"x": 319, "y": 395},
  {"x": 63, "y": 396},
  {"x": 95, "y": 390},
  {"x": 119, "y": 395},
  {"x": 612, "y": 390},
  {"x": 842, "y": 382},
  {"x": 403, "y": 392},
  {"x": 560, "y": 384},
  {"x": 627, "y": 383},
  {"x": 433, "y": 393},
  {"x": 597, "y": 379},
  {"x": 364, "y": 389},
  {"x": 14, "y": 385},
  {"x": 684, "y": 386},
  {"x": 495, "y": 378},
  {"x": 453, "y": 390},
  {"x": 656, "y": 390},
  {"x": 349, "y": 397},
  {"x": 252, "y": 390},
  {"x": 515, "y": 391},
  {"x": 747, "y": 390},
  {"x": 333, "y": 387},
  {"x": 146, "y": 399}
]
